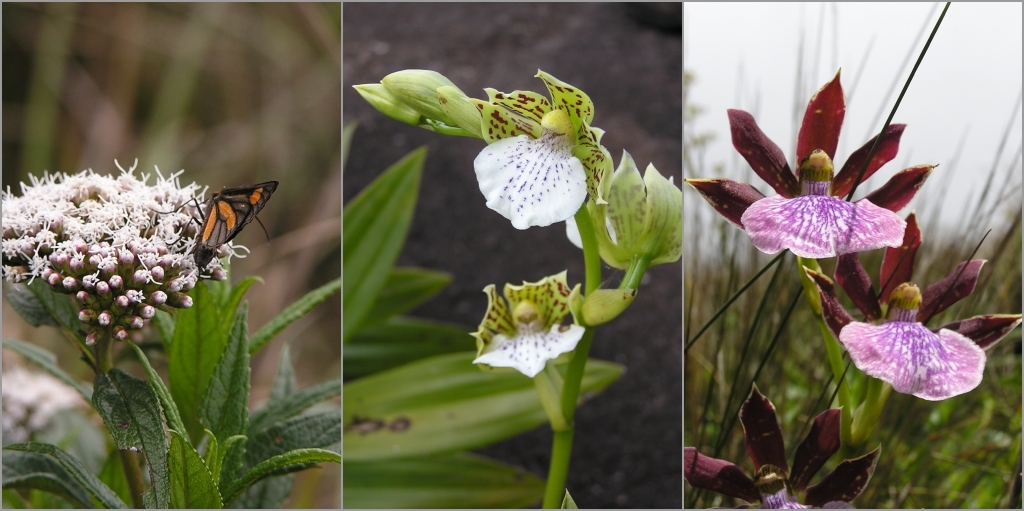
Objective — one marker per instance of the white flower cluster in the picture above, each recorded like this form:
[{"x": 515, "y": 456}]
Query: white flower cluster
[{"x": 119, "y": 245}]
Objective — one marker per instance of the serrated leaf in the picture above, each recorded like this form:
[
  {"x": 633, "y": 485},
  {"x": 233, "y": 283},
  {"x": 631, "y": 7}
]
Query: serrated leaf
[
  {"x": 455, "y": 481},
  {"x": 131, "y": 411},
  {"x": 404, "y": 289},
  {"x": 320, "y": 430},
  {"x": 293, "y": 312},
  {"x": 48, "y": 362},
  {"x": 277, "y": 411},
  {"x": 170, "y": 408},
  {"x": 444, "y": 404},
  {"x": 268, "y": 493},
  {"x": 225, "y": 406},
  {"x": 375, "y": 224},
  {"x": 30, "y": 308},
  {"x": 401, "y": 340},
  {"x": 291, "y": 461},
  {"x": 26, "y": 470},
  {"x": 192, "y": 484},
  {"x": 74, "y": 472}
]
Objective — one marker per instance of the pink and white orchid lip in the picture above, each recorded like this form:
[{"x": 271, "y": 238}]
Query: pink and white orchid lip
[
  {"x": 915, "y": 360},
  {"x": 820, "y": 226}
]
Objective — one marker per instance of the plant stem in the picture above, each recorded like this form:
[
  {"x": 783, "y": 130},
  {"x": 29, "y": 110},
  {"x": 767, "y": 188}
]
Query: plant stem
[
  {"x": 561, "y": 448},
  {"x": 130, "y": 464}
]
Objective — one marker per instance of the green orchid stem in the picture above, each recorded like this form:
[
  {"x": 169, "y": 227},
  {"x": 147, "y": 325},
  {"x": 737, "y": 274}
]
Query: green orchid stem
[
  {"x": 867, "y": 416},
  {"x": 561, "y": 448},
  {"x": 832, "y": 347},
  {"x": 635, "y": 273}
]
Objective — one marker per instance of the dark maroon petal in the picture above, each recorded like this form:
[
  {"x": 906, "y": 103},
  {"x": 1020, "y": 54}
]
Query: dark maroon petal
[
  {"x": 821, "y": 443},
  {"x": 845, "y": 482},
  {"x": 729, "y": 198},
  {"x": 851, "y": 276},
  {"x": 898, "y": 263},
  {"x": 896, "y": 193},
  {"x": 718, "y": 476},
  {"x": 836, "y": 316},
  {"x": 887, "y": 148},
  {"x": 822, "y": 121},
  {"x": 762, "y": 432},
  {"x": 985, "y": 330},
  {"x": 767, "y": 160},
  {"x": 965, "y": 276}
]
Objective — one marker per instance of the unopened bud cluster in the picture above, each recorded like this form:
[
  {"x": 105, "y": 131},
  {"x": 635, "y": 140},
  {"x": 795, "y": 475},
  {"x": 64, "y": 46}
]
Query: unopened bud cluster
[{"x": 117, "y": 245}]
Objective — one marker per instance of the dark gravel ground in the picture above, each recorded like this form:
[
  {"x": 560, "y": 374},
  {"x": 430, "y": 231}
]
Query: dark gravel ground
[{"x": 627, "y": 451}]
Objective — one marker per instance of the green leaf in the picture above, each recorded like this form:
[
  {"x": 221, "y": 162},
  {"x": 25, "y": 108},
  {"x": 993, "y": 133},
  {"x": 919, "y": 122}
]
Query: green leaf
[
  {"x": 568, "y": 502},
  {"x": 268, "y": 493},
  {"x": 291, "y": 461},
  {"x": 346, "y": 137},
  {"x": 225, "y": 406},
  {"x": 296, "y": 310},
  {"x": 131, "y": 411},
  {"x": 460, "y": 480},
  {"x": 59, "y": 306},
  {"x": 320, "y": 430},
  {"x": 48, "y": 362},
  {"x": 213, "y": 458},
  {"x": 284, "y": 381},
  {"x": 74, "y": 474},
  {"x": 165, "y": 325},
  {"x": 401, "y": 340},
  {"x": 277, "y": 411},
  {"x": 192, "y": 484},
  {"x": 112, "y": 475},
  {"x": 27, "y": 470},
  {"x": 193, "y": 355},
  {"x": 404, "y": 289},
  {"x": 375, "y": 224},
  {"x": 443, "y": 404},
  {"x": 30, "y": 308},
  {"x": 170, "y": 408}
]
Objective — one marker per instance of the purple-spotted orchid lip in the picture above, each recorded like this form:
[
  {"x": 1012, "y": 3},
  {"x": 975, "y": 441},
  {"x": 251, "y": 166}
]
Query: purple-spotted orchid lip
[
  {"x": 909, "y": 356},
  {"x": 775, "y": 485},
  {"x": 897, "y": 268},
  {"x": 524, "y": 331},
  {"x": 807, "y": 216}
]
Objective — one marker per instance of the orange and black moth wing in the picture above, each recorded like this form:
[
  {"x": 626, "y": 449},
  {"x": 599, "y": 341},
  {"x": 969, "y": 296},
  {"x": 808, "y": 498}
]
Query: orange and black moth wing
[{"x": 227, "y": 212}]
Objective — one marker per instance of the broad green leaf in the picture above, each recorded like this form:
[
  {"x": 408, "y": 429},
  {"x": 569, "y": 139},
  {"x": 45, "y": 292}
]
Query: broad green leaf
[
  {"x": 170, "y": 408},
  {"x": 192, "y": 484},
  {"x": 291, "y": 461},
  {"x": 213, "y": 458},
  {"x": 193, "y": 355},
  {"x": 268, "y": 493},
  {"x": 112, "y": 475},
  {"x": 225, "y": 406},
  {"x": 131, "y": 411},
  {"x": 375, "y": 224},
  {"x": 404, "y": 289},
  {"x": 444, "y": 404},
  {"x": 460, "y": 480},
  {"x": 28, "y": 470},
  {"x": 29, "y": 307},
  {"x": 48, "y": 362},
  {"x": 74, "y": 472},
  {"x": 277, "y": 411},
  {"x": 401, "y": 340},
  {"x": 320, "y": 430},
  {"x": 296, "y": 310}
]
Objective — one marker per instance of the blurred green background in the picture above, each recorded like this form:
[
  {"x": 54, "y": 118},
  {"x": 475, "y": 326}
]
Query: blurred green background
[{"x": 234, "y": 94}]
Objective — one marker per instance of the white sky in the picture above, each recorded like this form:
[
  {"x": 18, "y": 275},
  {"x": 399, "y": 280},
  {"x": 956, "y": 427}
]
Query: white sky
[{"x": 746, "y": 56}]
